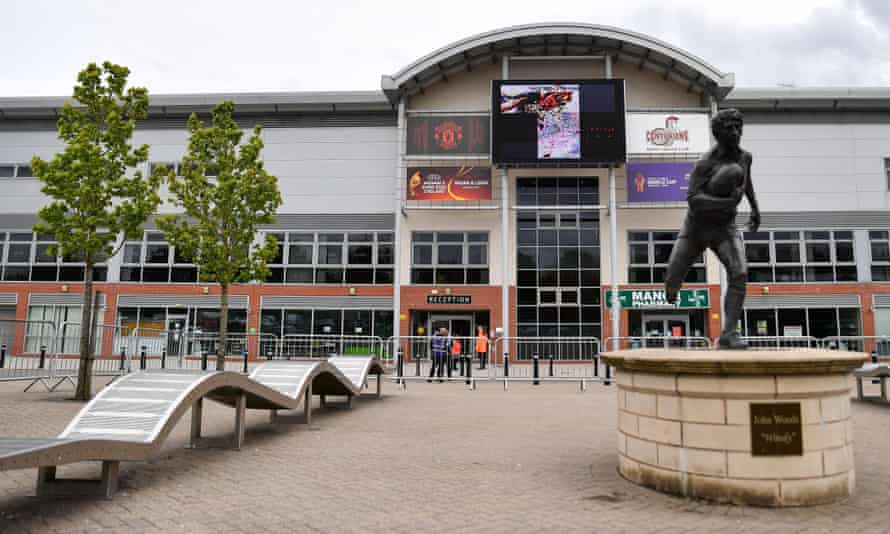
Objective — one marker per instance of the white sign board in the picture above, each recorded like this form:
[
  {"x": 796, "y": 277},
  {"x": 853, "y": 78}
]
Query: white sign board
[
  {"x": 792, "y": 331},
  {"x": 668, "y": 133}
]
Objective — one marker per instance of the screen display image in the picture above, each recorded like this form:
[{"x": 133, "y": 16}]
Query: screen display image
[{"x": 569, "y": 121}]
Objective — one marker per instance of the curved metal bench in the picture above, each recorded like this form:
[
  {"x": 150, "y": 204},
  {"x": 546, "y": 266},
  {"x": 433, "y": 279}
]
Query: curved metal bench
[{"x": 131, "y": 419}]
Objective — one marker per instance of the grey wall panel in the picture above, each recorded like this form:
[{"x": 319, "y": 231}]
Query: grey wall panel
[
  {"x": 9, "y": 299},
  {"x": 59, "y": 299},
  {"x": 238, "y": 302},
  {"x": 18, "y": 221},
  {"x": 754, "y": 302},
  {"x": 327, "y": 221},
  {"x": 326, "y": 302},
  {"x": 822, "y": 219},
  {"x": 881, "y": 301}
]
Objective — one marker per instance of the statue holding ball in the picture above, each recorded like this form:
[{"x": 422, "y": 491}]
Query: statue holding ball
[{"x": 717, "y": 184}]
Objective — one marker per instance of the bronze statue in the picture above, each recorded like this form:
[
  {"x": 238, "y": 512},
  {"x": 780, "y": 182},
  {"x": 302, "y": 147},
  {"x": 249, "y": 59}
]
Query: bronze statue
[{"x": 718, "y": 182}]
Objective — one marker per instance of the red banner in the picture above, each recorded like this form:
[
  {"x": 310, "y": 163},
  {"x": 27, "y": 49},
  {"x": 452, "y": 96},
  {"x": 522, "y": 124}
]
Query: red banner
[{"x": 449, "y": 183}]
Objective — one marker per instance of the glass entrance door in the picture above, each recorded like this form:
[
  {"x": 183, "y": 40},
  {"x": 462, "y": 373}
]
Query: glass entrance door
[
  {"x": 176, "y": 329},
  {"x": 459, "y": 326},
  {"x": 665, "y": 326}
]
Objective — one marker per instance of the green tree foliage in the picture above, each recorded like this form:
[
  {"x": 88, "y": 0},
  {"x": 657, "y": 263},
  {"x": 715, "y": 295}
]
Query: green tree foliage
[
  {"x": 95, "y": 188},
  {"x": 224, "y": 194}
]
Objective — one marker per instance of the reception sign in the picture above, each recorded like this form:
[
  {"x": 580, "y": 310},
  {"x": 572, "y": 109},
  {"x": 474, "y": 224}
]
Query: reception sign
[
  {"x": 668, "y": 133},
  {"x": 658, "y": 182},
  {"x": 456, "y": 184},
  {"x": 448, "y": 134}
]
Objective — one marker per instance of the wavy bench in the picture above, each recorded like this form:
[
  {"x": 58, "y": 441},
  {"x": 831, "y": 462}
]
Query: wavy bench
[{"x": 131, "y": 419}]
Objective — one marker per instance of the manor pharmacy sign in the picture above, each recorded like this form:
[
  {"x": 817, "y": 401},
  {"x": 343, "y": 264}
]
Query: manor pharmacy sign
[{"x": 644, "y": 299}]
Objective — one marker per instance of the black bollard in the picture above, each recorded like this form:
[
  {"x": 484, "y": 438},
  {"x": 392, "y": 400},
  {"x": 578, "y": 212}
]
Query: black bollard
[
  {"x": 142, "y": 358},
  {"x": 123, "y": 358},
  {"x": 506, "y": 365},
  {"x": 417, "y": 364},
  {"x": 204, "y": 360},
  {"x": 2, "y": 356},
  {"x": 42, "y": 364},
  {"x": 461, "y": 358},
  {"x": 535, "y": 371},
  {"x": 469, "y": 369},
  {"x": 164, "y": 359},
  {"x": 608, "y": 375},
  {"x": 400, "y": 369},
  {"x": 596, "y": 366},
  {"x": 245, "y": 362},
  {"x": 551, "y": 366},
  {"x": 448, "y": 362}
]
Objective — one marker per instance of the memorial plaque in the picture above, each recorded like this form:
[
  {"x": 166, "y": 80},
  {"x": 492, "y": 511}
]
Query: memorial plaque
[{"x": 776, "y": 429}]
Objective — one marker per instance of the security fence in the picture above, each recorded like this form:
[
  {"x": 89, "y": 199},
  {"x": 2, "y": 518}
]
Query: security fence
[
  {"x": 17, "y": 364},
  {"x": 657, "y": 342}
]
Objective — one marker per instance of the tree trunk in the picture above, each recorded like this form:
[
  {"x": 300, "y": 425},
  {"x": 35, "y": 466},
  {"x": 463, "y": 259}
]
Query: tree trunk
[
  {"x": 85, "y": 370},
  {"x": 223, "y": 328}
]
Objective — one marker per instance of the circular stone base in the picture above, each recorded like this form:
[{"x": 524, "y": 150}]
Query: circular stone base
[{"x": 684, "y": 424}]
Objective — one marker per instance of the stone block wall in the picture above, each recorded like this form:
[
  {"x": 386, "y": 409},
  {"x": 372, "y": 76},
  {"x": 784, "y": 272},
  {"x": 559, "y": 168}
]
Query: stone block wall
[{"x": 691, "y": 435}]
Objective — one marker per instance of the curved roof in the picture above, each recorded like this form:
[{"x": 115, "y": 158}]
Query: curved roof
[{"x": 559, "y": 39}]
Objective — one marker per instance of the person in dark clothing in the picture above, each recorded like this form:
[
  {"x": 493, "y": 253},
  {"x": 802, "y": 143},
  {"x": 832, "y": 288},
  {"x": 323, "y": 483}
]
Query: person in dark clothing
[
  {"x": 439, "y": 348},
  {"x": 717, "y": 184}
]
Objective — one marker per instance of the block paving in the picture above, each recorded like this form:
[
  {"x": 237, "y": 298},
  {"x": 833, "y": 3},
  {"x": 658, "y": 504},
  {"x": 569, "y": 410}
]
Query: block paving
[{"x": 435, "y": 458}]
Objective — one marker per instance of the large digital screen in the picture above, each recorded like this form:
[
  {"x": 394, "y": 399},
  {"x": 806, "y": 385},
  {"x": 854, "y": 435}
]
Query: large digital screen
[{"x": 558, "y": 121}]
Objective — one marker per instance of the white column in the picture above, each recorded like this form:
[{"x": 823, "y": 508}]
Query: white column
[
  {"x": 397, "y": 236},
  {"x": 505, "y": 228},
  {"x": 613, "y": 240}
]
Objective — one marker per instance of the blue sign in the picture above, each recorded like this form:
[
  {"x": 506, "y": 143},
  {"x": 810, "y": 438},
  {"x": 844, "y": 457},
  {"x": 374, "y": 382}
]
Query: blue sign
[{"x": 658, "y": 181}]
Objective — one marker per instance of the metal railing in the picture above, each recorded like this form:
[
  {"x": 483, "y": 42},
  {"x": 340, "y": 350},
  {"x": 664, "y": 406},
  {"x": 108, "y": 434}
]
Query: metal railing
[
  {"x": 779, "y": 342},
  {"x": 877, "y": 346},
  {"x": 412, "y": 358},
  {"x": 31, "y": 366},
  {"x": 322, "y": 346},
  {"x": 657, "y": 342}
]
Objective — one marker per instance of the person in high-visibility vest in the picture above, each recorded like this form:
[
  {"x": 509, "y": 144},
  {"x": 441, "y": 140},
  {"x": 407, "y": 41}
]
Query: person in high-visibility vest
[
  {"x": 481, "y": 346},
  {"x": 439, "y": 347}
]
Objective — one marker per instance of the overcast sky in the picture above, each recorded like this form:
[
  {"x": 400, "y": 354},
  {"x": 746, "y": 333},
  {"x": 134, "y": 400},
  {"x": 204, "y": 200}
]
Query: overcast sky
[{"x": 188, "y": 46}]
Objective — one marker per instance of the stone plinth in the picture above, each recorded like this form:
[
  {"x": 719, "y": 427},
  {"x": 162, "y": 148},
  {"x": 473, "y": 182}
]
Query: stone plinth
[{"x": 684, "y": 423}]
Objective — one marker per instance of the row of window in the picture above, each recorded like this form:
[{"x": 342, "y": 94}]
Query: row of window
[
  {"x": 772, "y": 256},
  {"x": 15, "y": 170}
]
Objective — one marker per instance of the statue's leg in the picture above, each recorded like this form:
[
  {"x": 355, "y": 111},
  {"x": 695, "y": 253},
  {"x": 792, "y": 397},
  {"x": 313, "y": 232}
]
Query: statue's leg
[
  {"x": 686, "y": 250},
  {"x": 732, "y": 255}
]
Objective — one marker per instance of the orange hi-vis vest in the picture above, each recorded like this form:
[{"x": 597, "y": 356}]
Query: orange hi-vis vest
[
  {"x": 455, "y": 347},
  {"x": 482, "y": 343}
]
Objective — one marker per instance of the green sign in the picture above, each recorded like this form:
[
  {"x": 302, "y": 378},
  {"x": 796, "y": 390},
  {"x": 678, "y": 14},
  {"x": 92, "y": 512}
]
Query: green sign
[{"x": 642, "y": 299}]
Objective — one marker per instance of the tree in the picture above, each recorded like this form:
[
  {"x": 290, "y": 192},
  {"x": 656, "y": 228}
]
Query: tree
[
  {"x": 224, "y": 194},
  {"x": 95, "y": 187}
]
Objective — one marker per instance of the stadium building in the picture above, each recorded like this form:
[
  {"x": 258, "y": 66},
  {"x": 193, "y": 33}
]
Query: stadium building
[{"x": 396, "y": 218}]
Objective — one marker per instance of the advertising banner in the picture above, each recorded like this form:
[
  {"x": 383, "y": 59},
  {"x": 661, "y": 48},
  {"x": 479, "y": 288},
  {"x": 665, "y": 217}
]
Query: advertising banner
[
  {"x": 668, "y": 133},
  {"x": 658, "y": 181},
  {"x": 448, "y": 135},
  {"x": 449, "y": 183},
  {"x": 641, "y": 299}
]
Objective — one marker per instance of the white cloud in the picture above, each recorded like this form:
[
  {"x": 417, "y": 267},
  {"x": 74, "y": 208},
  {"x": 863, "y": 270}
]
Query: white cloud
[{"x": 262, "y": 45}]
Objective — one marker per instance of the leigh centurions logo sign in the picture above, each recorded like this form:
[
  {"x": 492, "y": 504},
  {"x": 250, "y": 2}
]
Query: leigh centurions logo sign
[{"x": 670, "y": 134}]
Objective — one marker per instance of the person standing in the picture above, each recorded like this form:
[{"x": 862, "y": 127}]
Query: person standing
[
  {"x": 439, "y": 344},
  {"x": 481, "y": 346}
]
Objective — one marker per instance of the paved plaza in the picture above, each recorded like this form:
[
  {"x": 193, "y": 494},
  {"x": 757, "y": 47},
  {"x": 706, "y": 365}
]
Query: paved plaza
[{"x": 435, "y": 458}]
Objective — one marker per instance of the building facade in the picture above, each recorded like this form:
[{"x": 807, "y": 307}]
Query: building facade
[{"x": 395, "y": 221}]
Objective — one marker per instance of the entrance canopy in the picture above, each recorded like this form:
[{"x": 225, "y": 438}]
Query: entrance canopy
[{"x": 559, "y": 39}]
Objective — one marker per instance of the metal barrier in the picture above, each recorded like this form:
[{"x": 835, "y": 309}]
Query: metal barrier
[
  {"x": 21, "y": 364},
  {"x": 66, "y": 354},
  {"x": 779, "y": 342},
  {"x": 412, "y": 359},
  {"x": 549, "y": 359},
  {"x": 326, "y": 345},
  {"x": 657, "y": 342},
  {"x": 877, "y": 346}
]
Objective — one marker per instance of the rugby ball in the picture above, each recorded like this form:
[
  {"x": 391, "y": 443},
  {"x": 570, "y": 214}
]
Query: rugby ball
[{"x": 727, "y": 177}]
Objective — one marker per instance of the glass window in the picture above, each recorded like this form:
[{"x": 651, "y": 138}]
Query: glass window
[
  {"x": 7, "y": 171},
  {"x": 156, "y": 253},
  {"x": 360, "y": 254},
  {"x": 650, "y": 253},
  {"x": 330, "y": 254},
  {"x": 451, "y": 255}
]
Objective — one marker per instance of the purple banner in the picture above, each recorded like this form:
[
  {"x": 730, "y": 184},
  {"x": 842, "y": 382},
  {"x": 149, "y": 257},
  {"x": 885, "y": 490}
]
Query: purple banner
[{"x": 658, "y": 182}]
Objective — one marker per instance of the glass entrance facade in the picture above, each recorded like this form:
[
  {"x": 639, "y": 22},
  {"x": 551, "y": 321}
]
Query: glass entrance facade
[{"x": 558, "y": 257}]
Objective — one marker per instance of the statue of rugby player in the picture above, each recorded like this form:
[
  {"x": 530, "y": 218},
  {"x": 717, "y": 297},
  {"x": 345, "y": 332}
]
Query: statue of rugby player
[{"x": 718, "y": 182}]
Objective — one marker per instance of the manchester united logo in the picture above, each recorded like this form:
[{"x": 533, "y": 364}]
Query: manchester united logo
[{"x": 448, "y": 135}]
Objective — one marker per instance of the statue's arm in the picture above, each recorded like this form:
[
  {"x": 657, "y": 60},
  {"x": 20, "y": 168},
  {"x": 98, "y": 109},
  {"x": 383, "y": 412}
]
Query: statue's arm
[
  {"x": 754, "y": 222},
  {"x": 700, "y": 201}
]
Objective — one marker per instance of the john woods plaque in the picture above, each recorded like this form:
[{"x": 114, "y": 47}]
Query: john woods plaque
[{"x": 776, "y": 429}]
